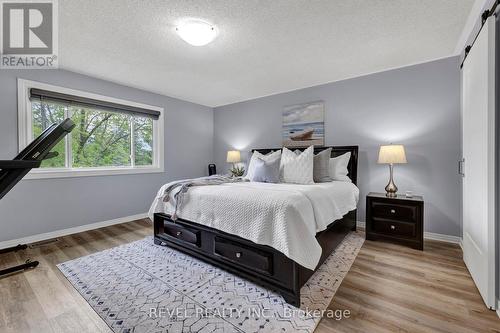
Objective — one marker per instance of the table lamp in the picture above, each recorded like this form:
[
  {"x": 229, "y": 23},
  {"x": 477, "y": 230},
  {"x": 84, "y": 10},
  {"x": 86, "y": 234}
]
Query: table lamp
[
  {"x": 391, "y": 154},
  {"x": 234, "y": 156}
]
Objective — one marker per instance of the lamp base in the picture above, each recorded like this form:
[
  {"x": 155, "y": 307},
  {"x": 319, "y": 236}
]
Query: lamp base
[
  {"x": 391, "y": 194},
  {"x": 391, "y": 188}
]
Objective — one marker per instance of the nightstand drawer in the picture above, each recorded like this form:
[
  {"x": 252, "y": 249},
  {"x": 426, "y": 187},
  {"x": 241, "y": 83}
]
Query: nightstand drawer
[
  {"x": 394, "y": 211},
  {"x": 391, "y": 228}
]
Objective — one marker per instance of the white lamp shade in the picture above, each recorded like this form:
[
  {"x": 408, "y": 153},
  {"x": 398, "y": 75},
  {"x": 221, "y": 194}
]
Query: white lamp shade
[
  {"x": 392, "y": 154},
  {"x": 233, "y": 156}
]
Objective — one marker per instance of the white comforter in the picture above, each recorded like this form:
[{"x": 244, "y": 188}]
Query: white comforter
[{"x": 283, "y": 216}]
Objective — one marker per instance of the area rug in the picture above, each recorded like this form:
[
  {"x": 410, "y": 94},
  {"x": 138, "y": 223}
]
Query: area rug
[{"x": 143, "y": 287}]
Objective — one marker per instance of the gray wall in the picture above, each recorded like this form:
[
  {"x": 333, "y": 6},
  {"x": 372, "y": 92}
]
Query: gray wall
[
  {"x": 39, "y": 206},
  {"x": 418, "y": 106}
]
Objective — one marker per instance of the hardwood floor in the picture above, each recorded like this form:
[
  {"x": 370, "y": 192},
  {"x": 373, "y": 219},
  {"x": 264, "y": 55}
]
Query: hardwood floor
[
  {"x": 42, "y": 300},
  {"x": 389, "y": 288}
]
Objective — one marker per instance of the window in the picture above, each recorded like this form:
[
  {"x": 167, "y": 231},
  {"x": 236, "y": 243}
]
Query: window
[{"x": 111, "y": 136}]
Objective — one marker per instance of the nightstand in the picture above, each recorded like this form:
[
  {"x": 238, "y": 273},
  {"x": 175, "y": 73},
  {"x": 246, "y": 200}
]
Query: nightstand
[{"x": 398, "y": 219}]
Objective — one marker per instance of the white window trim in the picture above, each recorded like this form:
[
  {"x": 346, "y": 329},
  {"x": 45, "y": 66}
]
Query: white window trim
[{"x": 25, "y": 133}]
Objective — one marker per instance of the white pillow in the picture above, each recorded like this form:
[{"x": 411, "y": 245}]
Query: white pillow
[
  {"x": 297, "y": 169},
  {"x": 267, "y": 158},
  {"x": 338, "y": 167}
]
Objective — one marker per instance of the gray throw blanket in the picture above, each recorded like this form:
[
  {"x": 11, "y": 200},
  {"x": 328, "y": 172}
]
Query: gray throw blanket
[{"x": 175, "y": 191}]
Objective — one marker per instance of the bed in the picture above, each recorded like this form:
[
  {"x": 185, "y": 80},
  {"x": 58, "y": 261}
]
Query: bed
[{"x": 277, "y": 242}]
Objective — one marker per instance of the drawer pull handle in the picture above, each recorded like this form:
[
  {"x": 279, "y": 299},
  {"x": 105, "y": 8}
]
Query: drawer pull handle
[
  {"x": 238, "y": 254},
  {"x": 393, "y": 211},
  {"x": 392, "y": 227},
  {"x": 178, "y": 233}
]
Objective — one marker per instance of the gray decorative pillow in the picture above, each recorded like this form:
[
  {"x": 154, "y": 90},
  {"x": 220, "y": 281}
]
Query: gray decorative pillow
[
  {"x": 321, "y": 171},
  {"x": 338, "y": 167},
  {"x": 266, "y": 171}
]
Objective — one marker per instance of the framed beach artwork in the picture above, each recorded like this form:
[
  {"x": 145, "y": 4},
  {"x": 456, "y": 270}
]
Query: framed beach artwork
[{"x": 304, "y": 125}]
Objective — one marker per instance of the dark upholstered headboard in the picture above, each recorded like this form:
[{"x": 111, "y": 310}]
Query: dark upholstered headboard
[{"x": 336, "y": 151}]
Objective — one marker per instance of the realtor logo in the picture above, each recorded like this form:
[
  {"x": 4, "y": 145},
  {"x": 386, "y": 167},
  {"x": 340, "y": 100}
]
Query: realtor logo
[{"x": 28, "y": 34}]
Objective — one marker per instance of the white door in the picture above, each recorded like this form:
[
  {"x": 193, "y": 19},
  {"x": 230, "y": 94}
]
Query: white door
[{"x": 478, "y": 126}]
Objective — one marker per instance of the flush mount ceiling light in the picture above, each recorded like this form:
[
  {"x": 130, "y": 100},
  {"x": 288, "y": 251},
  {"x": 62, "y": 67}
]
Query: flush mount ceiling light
[{"x": 196, "y": 32}]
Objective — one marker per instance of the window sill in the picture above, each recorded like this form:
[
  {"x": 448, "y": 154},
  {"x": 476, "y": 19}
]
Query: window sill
[{"x": 73, "y": 173}]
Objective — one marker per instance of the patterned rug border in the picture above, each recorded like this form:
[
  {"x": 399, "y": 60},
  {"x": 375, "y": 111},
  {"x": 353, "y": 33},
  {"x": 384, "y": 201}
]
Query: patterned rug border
[{"x": 318, "y": 294}]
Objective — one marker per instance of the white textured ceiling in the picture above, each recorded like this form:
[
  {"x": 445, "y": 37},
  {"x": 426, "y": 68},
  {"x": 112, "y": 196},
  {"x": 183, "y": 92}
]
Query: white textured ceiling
[{"x": 263, "y": 47}]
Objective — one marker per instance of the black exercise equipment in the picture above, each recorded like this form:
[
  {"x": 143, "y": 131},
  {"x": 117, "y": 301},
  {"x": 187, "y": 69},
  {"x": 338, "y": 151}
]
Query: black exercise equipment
[{"x": 12, "y": 171}]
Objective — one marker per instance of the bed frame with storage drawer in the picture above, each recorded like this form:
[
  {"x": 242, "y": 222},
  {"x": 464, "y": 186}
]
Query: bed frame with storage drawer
[{"x": 257, "y": 263}]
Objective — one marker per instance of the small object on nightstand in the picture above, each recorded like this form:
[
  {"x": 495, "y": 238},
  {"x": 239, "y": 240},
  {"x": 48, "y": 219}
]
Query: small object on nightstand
[
  {"x": 398, "y": 219},
  {"x": 409, "y": 194},
  {"x": 212, "y": 170}
]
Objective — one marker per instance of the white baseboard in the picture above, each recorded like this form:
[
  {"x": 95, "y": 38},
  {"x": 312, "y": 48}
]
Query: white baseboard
[
  {"x": 69, "y": 231},
  {"x": 428, "y": 235},
  {"x": 498, "y": 308},
  {"x": 443, "y": 238}
]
